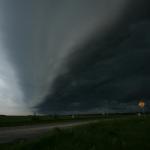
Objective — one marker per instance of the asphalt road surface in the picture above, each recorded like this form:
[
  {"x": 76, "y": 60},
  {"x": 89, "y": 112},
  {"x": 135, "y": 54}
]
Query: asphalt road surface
[{"x": 10, "y": 134}]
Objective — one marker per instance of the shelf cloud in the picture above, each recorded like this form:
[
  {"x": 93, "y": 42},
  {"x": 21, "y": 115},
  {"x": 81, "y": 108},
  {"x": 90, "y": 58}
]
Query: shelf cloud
[{"x": 73, "y": 56}]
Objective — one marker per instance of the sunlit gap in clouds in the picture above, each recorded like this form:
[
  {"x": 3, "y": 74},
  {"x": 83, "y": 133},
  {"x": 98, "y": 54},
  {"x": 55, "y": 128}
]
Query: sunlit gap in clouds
[{"x": 11, "y": 94}]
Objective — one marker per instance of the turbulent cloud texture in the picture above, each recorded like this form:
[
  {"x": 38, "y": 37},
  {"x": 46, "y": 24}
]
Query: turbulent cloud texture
[
  {"x": 110, "y": 78},
  {"x": 73, "y": 56}
]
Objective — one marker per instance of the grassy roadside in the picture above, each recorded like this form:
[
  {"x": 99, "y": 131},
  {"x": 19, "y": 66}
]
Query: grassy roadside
[
  {"x": 9, "y": 121},
  {"x": 117, "y": 134}
]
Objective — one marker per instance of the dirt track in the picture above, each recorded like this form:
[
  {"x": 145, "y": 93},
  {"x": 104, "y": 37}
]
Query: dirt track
[{"x": 10, "y": 134}]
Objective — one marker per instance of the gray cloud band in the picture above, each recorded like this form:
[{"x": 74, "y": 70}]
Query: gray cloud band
[{"x": 41, "y": 37}]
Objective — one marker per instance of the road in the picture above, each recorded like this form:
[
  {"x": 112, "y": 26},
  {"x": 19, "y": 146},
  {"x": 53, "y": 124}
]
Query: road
[{"x": 10, "y": 134}]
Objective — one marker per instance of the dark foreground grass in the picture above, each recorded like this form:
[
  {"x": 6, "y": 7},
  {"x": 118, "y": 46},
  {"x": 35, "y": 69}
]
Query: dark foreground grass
[
  {"x": 8, "y": 121},
  {"x": 118, "y": 134}
]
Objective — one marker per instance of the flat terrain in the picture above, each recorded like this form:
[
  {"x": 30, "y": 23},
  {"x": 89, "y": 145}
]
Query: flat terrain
[
  {"x": 10, "y": 134},
  {"x": 10, "y": 121},
  {"x": 127, "y": 133}
]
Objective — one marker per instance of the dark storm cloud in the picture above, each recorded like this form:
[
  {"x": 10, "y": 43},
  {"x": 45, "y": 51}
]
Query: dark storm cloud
[
  {"x": 41, "y": 34},
  {"x": 109, "y": 74},
  {"x": 73, "y": 55}
]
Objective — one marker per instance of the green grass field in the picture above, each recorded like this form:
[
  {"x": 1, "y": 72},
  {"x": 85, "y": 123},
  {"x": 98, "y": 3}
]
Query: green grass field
[
  {"x": 7, "y": 121},
  {"x": 132, "y": 133}
]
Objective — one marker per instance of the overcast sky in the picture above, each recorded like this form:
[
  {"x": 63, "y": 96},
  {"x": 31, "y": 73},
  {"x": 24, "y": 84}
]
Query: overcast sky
[{"x": 74, "y": 55}]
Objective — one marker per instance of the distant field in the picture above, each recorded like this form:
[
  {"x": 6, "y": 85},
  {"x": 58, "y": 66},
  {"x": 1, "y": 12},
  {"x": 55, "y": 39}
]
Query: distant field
[
  {"x": 132, "y": 133},
  {"x": 7, "y": 121}
]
